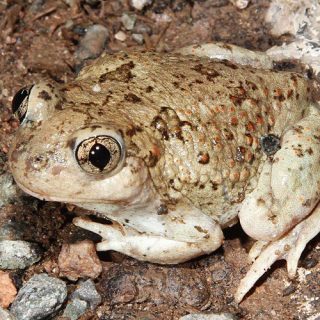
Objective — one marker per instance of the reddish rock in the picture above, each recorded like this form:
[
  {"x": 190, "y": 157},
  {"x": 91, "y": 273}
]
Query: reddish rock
[
  {"x": 79, "y": 260},
  {"x": 7, "y": 290}
]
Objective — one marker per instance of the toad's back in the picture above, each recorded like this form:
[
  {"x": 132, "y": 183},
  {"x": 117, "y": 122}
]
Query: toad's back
[{"x": 196, "y": 122}]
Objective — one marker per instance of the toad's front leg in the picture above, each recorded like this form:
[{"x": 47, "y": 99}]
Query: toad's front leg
[
  {"x": 175, "y": 236},
  {"x": 280, "y": 212}
]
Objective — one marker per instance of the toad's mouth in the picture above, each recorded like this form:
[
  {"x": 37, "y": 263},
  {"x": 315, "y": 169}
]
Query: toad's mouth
[{"x": 76, "y": 201}]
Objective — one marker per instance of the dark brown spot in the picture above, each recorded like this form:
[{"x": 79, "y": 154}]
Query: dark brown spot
[
  {"x": 229, "y": 64},
  {"x": 176, "y": 84},
  {"x": 163, "y": 209},
  {"x": 210, "y": 73},
  {"x": 149, "y": 89},
  {"x": 203, "y": 158},
  {"x": 71, "y": 143},
  {"x": 289, "y": 93},
  {"x": 122, "y": 73},
  {"x": 44, "y": 95},
  {"x": 237, "y": 100},
  {"x": 309, "y": 151},
  {"x": 251, "y": 85},
  {"x": 307, "y": 203},
  {"x": 228, "y": 134},
  {"x": 200, "y": 229},
  {"x": 132, "y": 98},
  {"x": 214, "y": 185},
  {"x": 159, "y": 124}
]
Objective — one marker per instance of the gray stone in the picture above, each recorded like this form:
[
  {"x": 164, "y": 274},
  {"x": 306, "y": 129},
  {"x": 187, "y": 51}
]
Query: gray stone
[
  {"x": 209, "y": 316},
  {"x": 140, "y": 4},
  {"x": 13, "y": 230},
  {"x": 18, "y": 254},
  {"x": 39, "y": 298},
  {"x": 128, "y": 20},
  {"x": 138, "y": 37},
  {"x": 9, "y": 191},
  {"x": 93, "y": 43},
  {"x": 142, "y": 28},
  {"x": 5, "y": 315},
  {"x": 87, "y": 292},
  {"x": 75, "y": 309}
]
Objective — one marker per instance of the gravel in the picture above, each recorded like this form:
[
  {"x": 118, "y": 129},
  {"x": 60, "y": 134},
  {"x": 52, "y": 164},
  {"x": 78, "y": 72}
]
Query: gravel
[
  {"x": 209, "y": 316},
  {"x": 18, "y": 254},
  {"x": 39, "y": 298}
]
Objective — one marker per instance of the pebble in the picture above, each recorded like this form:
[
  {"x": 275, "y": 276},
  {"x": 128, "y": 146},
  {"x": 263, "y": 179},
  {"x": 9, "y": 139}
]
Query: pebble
[
  {"x": 93, "y": 43},
  {"x": 74, "y": 309},
  {"x": 9, "y": 190},
  {"x": 209, "y": 316},
  {"x": 5, "y": 315},
  {"x": 87, "y": 292},
  {"x": 84, "y": 297},
  {"x": 138, "y": 37},
  {"x": 141, "y": 27},
  {"x": 18, "y": 254},
  {"x": 13, "y": 230},
  {"x": 128, "y": 20},
  {"x": 79, "y": 260},
  {"x": 121, "y": 36},
  {"x": 39, "y": 298},
  {"x": 8, "y": 290},
  {"x": 140, "y": 4},
  {"x": 240, "y": 4}
]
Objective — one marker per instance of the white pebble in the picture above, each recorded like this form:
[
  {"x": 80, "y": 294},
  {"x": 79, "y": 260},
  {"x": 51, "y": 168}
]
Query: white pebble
[
  {"x": 139, "y": 4},
  {"x": 121, "y": 36},
  {"x": 96, "y": 88},
  {"x": 240, "y": 4}
]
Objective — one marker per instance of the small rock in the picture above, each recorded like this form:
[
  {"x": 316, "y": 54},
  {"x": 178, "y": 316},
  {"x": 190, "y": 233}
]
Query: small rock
[
  {"x": 36, "y": 5},
  {"x": 5, "y": 315},
  {"x": 128, "y": 20},
  {"x": 93, "y": 43},
  {"x": 138, "y": 37},
  {"x": 39, "y": 298},
  {"x": 240, "y": 4},
  {"x": 18, "y": 254},
  {"x": 87, "y": 292},
  {"x": 75, "y": 309},
  {"x": 84, "y": 297},
  {"x": 209, "y": 316},
  {"x": 140, "y": 4},
  {"x": 9, "y": 191},
  {"x": 141, "y": 27},
  {"x": 121, "y": 36},
  {"x": 13, "y": 230},
  {"x": 8, "y": 290},
  {"x": 79, "y": 260}
]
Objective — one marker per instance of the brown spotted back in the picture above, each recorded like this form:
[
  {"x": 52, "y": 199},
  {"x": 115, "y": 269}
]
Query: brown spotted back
[{"x": 197, "y": 123}]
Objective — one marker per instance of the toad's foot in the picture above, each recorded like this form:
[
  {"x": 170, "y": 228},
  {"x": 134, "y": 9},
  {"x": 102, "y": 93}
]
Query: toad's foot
[
  {"x": 289, "y": 247},
  {"x": 175, "y": 237}
]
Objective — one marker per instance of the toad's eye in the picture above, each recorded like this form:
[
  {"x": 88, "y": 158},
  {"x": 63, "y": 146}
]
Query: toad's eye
[
  {"x": 20, "y": 103},
  {"x": 99, "y": 154}
]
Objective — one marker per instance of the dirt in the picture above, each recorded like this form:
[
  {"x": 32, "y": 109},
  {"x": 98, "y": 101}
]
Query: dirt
[{"x": 40, "y": 39}]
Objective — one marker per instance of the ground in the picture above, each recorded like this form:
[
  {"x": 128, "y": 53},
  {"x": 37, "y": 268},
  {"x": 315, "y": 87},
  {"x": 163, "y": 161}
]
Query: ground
[{"x": 41, "y": 39}]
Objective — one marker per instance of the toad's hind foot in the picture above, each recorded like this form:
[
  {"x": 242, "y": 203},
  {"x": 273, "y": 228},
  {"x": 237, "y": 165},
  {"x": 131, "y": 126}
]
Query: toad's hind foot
[{"x": 289, "y": 247}]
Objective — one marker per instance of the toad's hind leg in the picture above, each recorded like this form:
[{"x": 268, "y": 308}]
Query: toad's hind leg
[
  {"x": 287, "y": 192},
  {"x": 288, "y": 247},
  {"x": 179, "y": 235}
]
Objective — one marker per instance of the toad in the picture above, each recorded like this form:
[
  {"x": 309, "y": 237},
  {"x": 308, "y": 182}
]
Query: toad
[{"x": 174, "y": 148}]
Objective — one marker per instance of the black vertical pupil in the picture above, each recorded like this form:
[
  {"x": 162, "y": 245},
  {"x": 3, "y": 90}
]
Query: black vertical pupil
[
  {"x": 99, "y": 156},
  {"x": 18, "y": 99}
]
